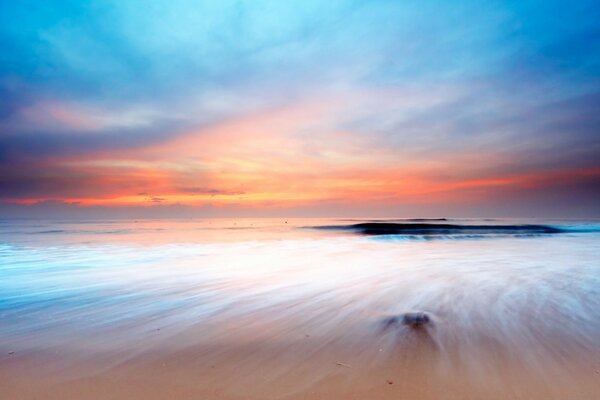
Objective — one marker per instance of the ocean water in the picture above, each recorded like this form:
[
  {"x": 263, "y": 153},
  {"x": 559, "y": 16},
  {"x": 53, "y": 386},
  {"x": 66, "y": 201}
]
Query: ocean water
[{"x": 512, "y": 308}]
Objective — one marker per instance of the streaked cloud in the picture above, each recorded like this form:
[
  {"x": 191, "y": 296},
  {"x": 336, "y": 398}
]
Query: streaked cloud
[{"x": 300, "y": 105}]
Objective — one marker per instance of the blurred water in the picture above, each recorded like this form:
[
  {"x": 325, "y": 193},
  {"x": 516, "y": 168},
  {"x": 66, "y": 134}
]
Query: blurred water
[{"x": 499, "y": 303}]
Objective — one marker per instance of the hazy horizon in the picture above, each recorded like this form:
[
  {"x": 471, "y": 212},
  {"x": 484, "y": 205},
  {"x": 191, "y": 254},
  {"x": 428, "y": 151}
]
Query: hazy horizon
[{"x": 58, "y": 211}]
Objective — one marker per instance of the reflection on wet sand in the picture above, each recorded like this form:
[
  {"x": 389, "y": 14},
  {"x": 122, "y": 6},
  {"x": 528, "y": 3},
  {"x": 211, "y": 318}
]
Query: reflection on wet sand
[{"x": 323, "y": 317}]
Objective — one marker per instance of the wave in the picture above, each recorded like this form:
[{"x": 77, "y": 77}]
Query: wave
[
  {"x": 435, "y": 229},
  {"x": 78, "y": 232},
  {"x": 396, "y": 219}
]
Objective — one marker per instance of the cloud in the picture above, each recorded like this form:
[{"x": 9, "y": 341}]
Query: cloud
[
  {"x": 282, "y": 103},
  {"x": 211, "y": 191}
]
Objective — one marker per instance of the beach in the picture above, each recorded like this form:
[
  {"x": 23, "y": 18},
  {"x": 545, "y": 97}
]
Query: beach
[{"x": 276, "y": 309}]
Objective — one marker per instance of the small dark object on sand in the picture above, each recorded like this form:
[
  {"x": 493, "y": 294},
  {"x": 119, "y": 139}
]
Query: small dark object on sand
[
  {"x": 415, "y": 319},
  {"x": 411, "y": 319},
  {"x": 389, "y": 382},
  {"x": 343, "y": 364}
]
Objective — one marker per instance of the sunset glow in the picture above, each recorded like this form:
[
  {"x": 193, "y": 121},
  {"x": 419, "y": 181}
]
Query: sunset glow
[{"x": 376, "y": 109}]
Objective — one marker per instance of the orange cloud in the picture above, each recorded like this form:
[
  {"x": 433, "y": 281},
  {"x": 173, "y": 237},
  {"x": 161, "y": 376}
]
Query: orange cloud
[{"x": 288, "y": 157}]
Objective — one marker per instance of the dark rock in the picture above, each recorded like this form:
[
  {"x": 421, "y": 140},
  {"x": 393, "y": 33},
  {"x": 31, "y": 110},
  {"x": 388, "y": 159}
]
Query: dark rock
[
  {"x": 411, "y": 319},
  {"x": 415, "y": 319}
]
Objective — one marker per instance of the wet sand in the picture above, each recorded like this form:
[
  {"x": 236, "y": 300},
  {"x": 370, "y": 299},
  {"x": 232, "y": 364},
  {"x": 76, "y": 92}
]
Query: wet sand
[{"x": 246, "y": 359}]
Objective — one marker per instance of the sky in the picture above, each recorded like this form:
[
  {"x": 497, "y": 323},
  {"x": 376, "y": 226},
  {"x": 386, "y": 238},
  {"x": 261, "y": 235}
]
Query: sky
[{"x": 299, "y": 108}]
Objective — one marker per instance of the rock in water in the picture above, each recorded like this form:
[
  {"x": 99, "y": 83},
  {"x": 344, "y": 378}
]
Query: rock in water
[
  {"x": 410, "y": 319},
  {"x": 415, "y": 319}
]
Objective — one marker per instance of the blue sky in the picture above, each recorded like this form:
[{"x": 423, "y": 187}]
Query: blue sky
[{"x": 505, "y": 92}]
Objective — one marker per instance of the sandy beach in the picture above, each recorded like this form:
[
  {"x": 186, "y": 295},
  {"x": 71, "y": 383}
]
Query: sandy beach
[{"x": 249, "y": 360}]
